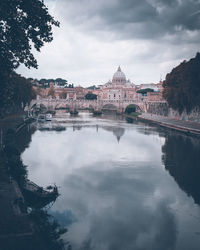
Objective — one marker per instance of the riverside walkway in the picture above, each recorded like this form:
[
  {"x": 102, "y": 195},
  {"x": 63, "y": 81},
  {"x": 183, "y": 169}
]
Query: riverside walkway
[{"x": 185, "y": 126}]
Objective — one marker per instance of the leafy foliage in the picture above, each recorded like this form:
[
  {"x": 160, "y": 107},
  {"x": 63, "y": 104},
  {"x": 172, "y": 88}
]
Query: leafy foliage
[
  {"x": 45, "y": 83},
  {"x": 12, "y": 159},
  {"x": 144, "y": 91},
  {"x": 15, "y": 93},
  {"x": 23, "y": 25},
  {"x": 90, "y": 96},
  {"x": 130, "y": 109},
  {"x": 48, "y": 230},
  {"x": 182, "y": 85}
]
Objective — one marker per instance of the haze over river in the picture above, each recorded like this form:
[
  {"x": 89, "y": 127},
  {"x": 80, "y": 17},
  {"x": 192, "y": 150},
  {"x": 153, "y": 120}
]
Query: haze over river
[{"x": 123, "y": 186}]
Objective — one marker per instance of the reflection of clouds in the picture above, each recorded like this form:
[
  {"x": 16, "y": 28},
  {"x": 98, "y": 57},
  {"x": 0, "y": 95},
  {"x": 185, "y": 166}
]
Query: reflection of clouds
[
  {"x": 113, "y": 196},
  {"x": 65, "y": 151},
  {"x": 112, "y": 212}
]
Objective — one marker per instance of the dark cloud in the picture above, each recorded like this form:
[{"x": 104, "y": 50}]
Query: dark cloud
[{"x": 134, "y": 18}]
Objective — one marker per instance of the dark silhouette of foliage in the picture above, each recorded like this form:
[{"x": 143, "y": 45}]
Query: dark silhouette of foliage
[
  {"x": 15, "y": 93},
  {"x": 12, "y": 158},
  {"x": 90, "y": 96},
  {"x": 130, "y": 109},
  {"x": 144, "y": 91},
  {"x": 181, "y": 158},
  {"x": 49, "y": 231},
  {"x": 182, "y": 85},
  {"x": 23, "y": 24},
  {"x": 61, "y": 82}
]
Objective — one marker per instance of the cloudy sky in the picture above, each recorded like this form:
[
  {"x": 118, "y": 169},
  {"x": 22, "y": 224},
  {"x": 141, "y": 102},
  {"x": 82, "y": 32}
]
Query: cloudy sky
[{"x": 146, "y": 37}]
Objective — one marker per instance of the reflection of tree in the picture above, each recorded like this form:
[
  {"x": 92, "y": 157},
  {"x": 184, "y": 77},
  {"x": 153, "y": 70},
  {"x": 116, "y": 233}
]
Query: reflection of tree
[
  {"x": 181, "y": 158},
  {"x": 48, "y": 231},
  {"x": 117, "y": 131},
  {"x": 45, "y": 232}
]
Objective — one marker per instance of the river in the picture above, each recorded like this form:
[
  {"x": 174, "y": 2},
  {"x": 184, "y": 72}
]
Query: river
[{"x": 123, "y": 186}]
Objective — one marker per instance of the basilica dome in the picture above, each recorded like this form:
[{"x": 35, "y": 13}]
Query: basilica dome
[{"x": 119, "y": 77}]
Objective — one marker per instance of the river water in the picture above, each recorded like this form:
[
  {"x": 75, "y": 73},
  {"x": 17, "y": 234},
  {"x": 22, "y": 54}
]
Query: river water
[{"x": 123, "y": 186}]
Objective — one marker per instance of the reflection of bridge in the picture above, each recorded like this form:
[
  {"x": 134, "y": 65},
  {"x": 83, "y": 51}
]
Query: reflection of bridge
[{"x": 101, "y": 105}]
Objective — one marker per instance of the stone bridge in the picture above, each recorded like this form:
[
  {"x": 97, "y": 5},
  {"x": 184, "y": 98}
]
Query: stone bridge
[{"x": 98, "y": 105}]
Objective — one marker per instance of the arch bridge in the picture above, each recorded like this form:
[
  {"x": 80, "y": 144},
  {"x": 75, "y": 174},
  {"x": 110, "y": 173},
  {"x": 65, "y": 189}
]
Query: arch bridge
[{"x": 118, "y": 106}]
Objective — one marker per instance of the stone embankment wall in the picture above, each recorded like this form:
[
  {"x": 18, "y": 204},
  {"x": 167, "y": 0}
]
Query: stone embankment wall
[
  {"x": 162, "y": 108},
  {"x": 158, "y": 108},
  {"x": 194, "y": 115}
]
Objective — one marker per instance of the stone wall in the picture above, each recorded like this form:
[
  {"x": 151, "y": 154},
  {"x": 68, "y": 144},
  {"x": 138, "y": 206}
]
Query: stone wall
[
  {"x": 194, "y": 115},
  {"x": 162, "y": 108},
  {"x": 158, "y": 108}
]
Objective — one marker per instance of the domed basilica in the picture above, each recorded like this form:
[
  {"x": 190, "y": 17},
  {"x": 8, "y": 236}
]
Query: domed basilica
[{"x": 119, "y": 88}]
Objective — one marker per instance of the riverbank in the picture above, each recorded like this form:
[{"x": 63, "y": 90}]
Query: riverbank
[
  {"x": 183, "y": 126},
  {"x": 24, "y": 225}
]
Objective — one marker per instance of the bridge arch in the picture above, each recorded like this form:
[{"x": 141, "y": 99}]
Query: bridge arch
[
  {"x": 62, "y": 106},
  {"x": 109, "y": 107},
  {"x": 132, "y": 106}
]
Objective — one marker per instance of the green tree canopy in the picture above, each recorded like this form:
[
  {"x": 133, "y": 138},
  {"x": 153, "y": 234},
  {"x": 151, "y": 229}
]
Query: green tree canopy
[
  {"x": 144, "y": 91},
  {"x": 130, "y": 109},
  {"x": 61, "y": 81},
  {"x": 182, "y": 85},
  {"x": 90, "y": 96}
]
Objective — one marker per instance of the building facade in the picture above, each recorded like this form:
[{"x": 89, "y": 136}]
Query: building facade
[{"x": 118, "y": 89}]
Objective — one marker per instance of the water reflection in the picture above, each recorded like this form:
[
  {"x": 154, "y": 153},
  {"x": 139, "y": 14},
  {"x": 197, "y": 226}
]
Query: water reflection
[
  {"x": 24, "y": 225},
  {"x": 117, "y": 131},
  {"x": 181, "y": 158},
  {"x": 118, "y": 195}
]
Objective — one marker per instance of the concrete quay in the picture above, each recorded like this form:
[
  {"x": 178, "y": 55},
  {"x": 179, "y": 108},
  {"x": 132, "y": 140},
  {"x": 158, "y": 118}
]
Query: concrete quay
[{"x": 184, "y": 126}]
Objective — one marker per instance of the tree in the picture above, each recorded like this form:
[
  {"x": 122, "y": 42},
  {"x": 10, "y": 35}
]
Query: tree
[
  {"x": 90, "y": 96},
  {"x": 145, "y": 91},
  {"x": 182, "y": 85},
  {"x": 61, "y": 81},
  {"x": 71, "y": 85},
  {"x": 15, "y": 94},
  {"x": 130, "y": 109},
  {"x": 23, "y": 24},
  {"x": 43, "y": 81}
]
